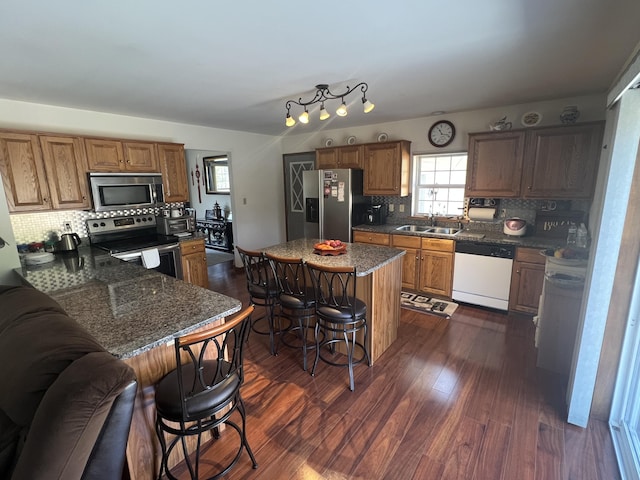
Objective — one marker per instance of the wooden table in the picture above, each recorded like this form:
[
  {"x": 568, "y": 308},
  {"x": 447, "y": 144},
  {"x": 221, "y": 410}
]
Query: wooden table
[{"x": 379, "y": 272}]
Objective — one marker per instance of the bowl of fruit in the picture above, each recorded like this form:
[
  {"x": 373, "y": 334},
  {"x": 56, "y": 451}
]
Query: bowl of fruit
[
  {"x": 566, "y": 255},
  {"x": 330, "y": 247}
]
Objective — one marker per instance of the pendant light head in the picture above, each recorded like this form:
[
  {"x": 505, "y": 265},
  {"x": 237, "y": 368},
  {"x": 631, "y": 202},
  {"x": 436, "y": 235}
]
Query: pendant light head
[
  {"x": 323, "y": 94},
  {"x": 289, "y": 121},
  {"x": 368, "y": 106},
  {"x": 323, "y": 112}
]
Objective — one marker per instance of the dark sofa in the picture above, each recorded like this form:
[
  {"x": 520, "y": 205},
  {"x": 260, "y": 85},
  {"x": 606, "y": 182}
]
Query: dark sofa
[{"x": 65, "y": 402}]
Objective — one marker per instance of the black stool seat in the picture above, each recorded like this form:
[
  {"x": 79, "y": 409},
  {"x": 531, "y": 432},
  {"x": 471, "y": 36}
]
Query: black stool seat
[
  {"x": 203, "y": 393},
  {"x": 340, "y": 317}
]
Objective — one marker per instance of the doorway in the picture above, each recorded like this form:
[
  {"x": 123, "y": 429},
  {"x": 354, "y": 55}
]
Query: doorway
[{"x": 294, "y": 164}]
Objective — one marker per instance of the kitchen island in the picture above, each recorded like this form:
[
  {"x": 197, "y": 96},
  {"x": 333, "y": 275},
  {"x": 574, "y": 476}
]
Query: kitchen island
[
  {"x": 379, "y": 272},
  {"x": 135, "y": 314}
]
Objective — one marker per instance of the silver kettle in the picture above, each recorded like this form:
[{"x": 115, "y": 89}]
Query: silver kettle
[{"x": 68, "y": 242}]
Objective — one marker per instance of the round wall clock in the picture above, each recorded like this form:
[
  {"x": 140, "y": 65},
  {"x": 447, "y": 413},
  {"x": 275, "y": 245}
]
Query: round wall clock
[{"x": 442, "y": 133}]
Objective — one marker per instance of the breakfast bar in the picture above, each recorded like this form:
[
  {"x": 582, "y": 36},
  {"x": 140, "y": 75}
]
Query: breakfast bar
[
  {"x": 135, "y": 314},
  {"x": 379, "y": 272}
]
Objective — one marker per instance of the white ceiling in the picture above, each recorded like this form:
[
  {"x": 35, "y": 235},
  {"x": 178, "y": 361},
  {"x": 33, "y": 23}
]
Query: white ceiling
[{"x": 233, "y": 64}]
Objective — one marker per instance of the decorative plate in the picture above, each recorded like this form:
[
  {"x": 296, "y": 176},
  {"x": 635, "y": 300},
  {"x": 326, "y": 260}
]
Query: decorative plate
[
  {"x": 328, "y": 142},
  {"x": 382, "y": 137},
  {"x": 351, "y": 140},
  {"x": 531, "y": 119}
]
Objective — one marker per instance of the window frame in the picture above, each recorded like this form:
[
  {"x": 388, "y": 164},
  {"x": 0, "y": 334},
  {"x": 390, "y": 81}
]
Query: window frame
[
  {"x": 211, "y": 180},
  {"x": 416, "y": 186}
]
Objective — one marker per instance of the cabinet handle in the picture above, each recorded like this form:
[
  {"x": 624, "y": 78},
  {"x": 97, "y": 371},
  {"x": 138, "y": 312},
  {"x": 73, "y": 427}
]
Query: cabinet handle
[
  {"x": 121, "y": 161},
  {"x": 529, "y": 187},
  {"x": 518, "y": 271},
  {"x": 45, "y": 200}
]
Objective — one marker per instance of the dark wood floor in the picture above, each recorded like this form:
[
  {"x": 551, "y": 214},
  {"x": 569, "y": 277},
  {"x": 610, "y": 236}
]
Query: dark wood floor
[{"x": 459, "y": 398}]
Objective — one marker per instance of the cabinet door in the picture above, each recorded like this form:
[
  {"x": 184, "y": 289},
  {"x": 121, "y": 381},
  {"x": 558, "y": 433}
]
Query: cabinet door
[
  {"x": 527, "y": 280},
  {"x": 104, "y": 155},
  {"x": 386, "y": 168},
  {"x": 194, "y": 262},
  {"x": 64, "y": 161},
  {"x": 174, "y": 172},
  {"x": 350, "y": 156},
  {"x": 410, "y": 268},
  {"x": 23, "y": 173},
  {"x": 326, "y": 158},
  {"x": 140, "y": 157},
  {"x": 562, "y": 162},
  {"x": 435, "y": 273},
  {"x": 494, "y": 165}
]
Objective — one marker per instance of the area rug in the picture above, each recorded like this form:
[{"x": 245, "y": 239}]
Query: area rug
[
  {"x": 433, "y": 306},
  {"x": 215, "y": 257}
]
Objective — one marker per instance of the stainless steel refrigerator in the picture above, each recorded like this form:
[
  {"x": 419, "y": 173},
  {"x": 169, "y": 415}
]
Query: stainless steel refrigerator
[{"x": 333, "y": 203}]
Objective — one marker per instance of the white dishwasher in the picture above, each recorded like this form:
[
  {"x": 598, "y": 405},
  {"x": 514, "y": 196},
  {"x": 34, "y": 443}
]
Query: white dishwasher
[{"x": 482, "y": 274}]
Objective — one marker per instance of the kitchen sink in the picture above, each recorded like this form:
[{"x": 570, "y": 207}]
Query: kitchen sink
[
  {"x": 414, "y": 228},
  {"x": 425, "y": 229},
  {"x": 443, "y": 230}
]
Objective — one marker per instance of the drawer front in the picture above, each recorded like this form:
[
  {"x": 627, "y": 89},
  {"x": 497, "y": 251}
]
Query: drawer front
[
  {"x": 437, "y": 244},
  {"x": 405, "y": 241},
  {"x": 371, "y": 237},
  {"x": 529, "y": 255},
  {"x": 191, "y": 246}
]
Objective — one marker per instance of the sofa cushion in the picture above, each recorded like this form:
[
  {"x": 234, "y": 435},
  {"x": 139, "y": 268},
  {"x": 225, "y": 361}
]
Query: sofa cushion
[
  {"x": 9, "y": 438},
  {"x": 19, "y": 302},
  {"x": 35, "y": 348},
  {"x": 70, "y": 418}
]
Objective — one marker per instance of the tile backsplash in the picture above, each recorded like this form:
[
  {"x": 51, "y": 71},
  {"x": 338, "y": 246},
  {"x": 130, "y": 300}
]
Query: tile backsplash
[{"x": 35, "y": 227}]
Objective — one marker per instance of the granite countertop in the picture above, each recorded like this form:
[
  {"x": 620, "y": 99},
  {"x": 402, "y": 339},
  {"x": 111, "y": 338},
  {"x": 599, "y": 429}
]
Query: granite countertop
[
  {"x": 127, "y": 308},
  {"x": 473, "y": 235},
  {"x": 366, "y": 258}
]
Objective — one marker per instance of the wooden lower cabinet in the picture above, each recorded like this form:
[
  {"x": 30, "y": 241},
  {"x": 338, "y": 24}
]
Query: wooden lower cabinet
[
  {"x": 372, "y": 237},
  {"x": 194, "y": 262},
  {"x": 428, "y": 264},
  {"x": 527, "y": 279}
]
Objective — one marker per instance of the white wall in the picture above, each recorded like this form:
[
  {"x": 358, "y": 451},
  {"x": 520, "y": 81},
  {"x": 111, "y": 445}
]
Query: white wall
[
  {"x": 592, "y": 108},
  {"x": 256, "y": 159}
]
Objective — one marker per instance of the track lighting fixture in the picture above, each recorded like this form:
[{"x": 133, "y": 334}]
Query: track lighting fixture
[{"x": 323, "y": 94}]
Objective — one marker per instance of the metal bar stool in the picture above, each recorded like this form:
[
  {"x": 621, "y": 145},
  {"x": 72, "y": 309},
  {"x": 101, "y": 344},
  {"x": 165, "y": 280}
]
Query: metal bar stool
[
  {"x": 203, "y": 391},
  {"x": 339, "y": 316},
  {"x": 297, "y": 301},
  {"x": 263, "y": 290}
]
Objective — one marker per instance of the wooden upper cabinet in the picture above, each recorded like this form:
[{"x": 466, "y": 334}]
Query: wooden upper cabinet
[
  {"x": 386, "y": 168},
  {"x": 349, "y": 156},
  {"x": 140, "y": 156},
  {"x": 64, "y": 161},
  {"x": 494, "y": 164},
  {"x": 23, "y": 174},
  {"x": 104, "y": 155},
  {"x": 174, "y": 172},
  {"x": 326, "y": 158},
  {"x": 562, "y": 162}
]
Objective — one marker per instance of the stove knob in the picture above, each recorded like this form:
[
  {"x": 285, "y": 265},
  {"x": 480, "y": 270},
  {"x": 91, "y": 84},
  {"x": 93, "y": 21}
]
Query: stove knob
[
  {"x": 150, "y": 219},
  {"x": 95, "y": 225},
  {"x": 144, "y": 219},
  {"x": 138, "y": 220},
  {"x": 102, "y": 224}
]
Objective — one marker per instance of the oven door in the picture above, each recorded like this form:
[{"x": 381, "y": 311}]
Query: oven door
[{"x": 170, "y": 260}]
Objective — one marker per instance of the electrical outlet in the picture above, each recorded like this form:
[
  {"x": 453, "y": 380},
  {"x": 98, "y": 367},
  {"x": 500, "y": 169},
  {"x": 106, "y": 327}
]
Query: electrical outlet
[
  {"x": 67, "y": 226},
  {"x": 244, "y": 200},
  {"x": 401, "y": 207},
  {"x": 392, "y": 207}
]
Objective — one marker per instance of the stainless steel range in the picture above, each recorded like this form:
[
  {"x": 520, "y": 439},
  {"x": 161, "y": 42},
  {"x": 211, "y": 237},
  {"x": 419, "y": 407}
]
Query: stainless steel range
[{"x": 126, "y": 238}]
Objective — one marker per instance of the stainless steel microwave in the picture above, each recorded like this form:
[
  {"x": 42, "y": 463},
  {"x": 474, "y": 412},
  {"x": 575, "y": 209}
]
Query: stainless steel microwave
[{"x": 125, "y": 191}]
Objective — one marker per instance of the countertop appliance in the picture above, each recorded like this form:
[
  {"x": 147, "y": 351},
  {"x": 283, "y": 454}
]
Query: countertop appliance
[
  {"x": 68, "y": 242},
  {"x": 184, "y": 224},
  {"x": 376, "y": 215},
  {"x": 516, "y": 227},
  {"x": 125, "y": 191},
  {"x": 333, "y": 202},
  {"x": 482, "y": 274},
  {"x": 127, "y": 237}
]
